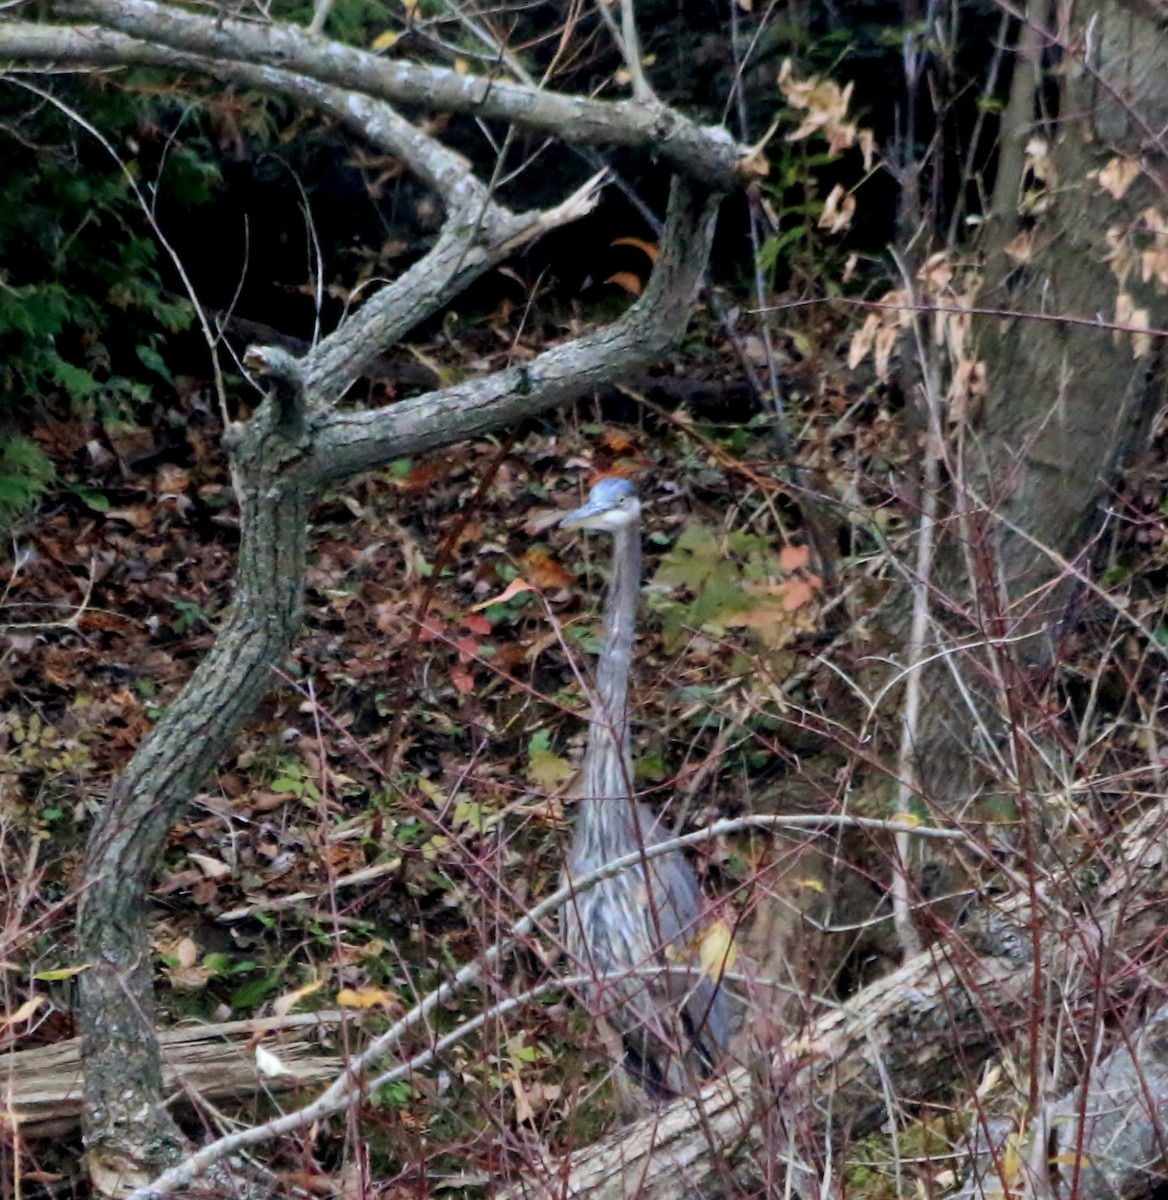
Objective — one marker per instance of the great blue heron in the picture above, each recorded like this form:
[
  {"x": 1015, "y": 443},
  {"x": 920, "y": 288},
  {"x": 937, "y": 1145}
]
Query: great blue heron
[{"x": 635, "y": 930}]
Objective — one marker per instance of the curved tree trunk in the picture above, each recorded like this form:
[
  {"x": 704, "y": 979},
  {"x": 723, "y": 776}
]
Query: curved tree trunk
[
  {"x": 123, "y": 1071},
  {"x": 291, "y": 447}
]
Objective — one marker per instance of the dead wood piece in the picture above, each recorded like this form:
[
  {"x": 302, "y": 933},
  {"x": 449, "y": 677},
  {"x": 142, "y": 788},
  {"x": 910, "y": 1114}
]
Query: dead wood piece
[
  {"x": 42, "y": 1087},
  {"x": 1104, "y": 1140},
  {"x": 902, "y": 1039}
]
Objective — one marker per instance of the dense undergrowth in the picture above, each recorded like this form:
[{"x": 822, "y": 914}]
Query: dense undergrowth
[{"x": 424, "y": 735}]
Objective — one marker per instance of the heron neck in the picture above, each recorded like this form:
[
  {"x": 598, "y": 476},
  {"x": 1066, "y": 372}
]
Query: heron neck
[{"x": 608, "y": 755}]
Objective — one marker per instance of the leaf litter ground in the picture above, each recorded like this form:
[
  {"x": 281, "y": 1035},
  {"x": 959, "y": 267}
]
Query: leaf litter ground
[{"x": 403, "y": 793}]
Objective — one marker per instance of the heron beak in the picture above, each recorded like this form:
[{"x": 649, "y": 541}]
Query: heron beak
[{"x": 582, "y": 517}]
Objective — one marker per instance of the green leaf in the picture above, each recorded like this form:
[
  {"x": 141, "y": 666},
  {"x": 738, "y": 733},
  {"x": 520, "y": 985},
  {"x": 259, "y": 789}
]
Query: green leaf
[
  {"x": 149, "y": 357},
  {"x": 90, "y": 497},
  {"x": 255, "y": 991},
  {"x": 59, "y": 974}
]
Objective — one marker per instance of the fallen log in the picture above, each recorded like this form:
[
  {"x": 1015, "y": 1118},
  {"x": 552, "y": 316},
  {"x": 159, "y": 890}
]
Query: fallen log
[
  {"x": 40, "y": 1088},
  {"x": 911, "y": 1037}
]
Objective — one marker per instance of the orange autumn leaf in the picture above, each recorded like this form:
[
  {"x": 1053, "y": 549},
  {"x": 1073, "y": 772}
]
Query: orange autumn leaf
[
  {"x": 650, "y": 249},
  {"x": 424, "y": 476},
  {"x": 794, "y": 558},
  {"x": 617, "y": 441},
  {"x": 516, "y": 586},
  {"x": 627, "y": 280},
  {"x": 798, "y": 592},
  {"x": 545, "y": 572}
]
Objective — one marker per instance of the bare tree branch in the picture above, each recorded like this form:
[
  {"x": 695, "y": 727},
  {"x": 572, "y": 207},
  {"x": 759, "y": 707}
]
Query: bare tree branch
[
  {"x": 280, "y": 459},
  {"x": 707, "y": 154},
  {"x": 357, "y": 441}
]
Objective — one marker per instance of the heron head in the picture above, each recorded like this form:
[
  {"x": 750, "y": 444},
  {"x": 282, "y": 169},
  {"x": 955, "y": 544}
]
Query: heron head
[{"x": 612, "y": 505}]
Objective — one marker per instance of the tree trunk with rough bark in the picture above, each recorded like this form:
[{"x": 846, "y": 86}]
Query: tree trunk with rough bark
[{"x": 1076, "y": 245}]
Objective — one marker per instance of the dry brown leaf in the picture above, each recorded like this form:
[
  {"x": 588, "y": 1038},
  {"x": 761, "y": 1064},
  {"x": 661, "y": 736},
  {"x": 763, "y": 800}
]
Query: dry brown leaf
[
  {"x": 886, "y": 340},
  {"x": 545, "y": 572},
  {"x": 1127, "y": 314},
  {"x": 1021, "y": 247},
  {"x": 838, "y": 210},
  {"x": 516, "y": 586},
  {"x": 212, "y": 868},
  {"x": 188, "y": 979},
  {"x": 863, "y": 340},
  {"x": 1154, "y": 265},
  {"x": 1118, "y": 175}
]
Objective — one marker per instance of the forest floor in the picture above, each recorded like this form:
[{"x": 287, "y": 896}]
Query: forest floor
[{"x": 424, "y": 736}]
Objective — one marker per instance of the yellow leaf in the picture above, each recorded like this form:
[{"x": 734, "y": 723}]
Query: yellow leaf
[
  {"x": 289, "y": 1000},
  {"x": 716, "y": 950},
  {"x": 1012, "y": 1160},
  {"x": 366, "y": 997},
  {"x": 60, "y": 973},
  {"x": 811, "y": 883},
  {"x": 473, "y": 816},
  {"x": 907, "y": 818},
  {"x": 383, "y": 41},
  {"x": 24, "y": 1011},
  {"x": 1071, "y": 1159},
  {"x": 548, "y": 770},
  {"x": 431, "y": 790}
]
